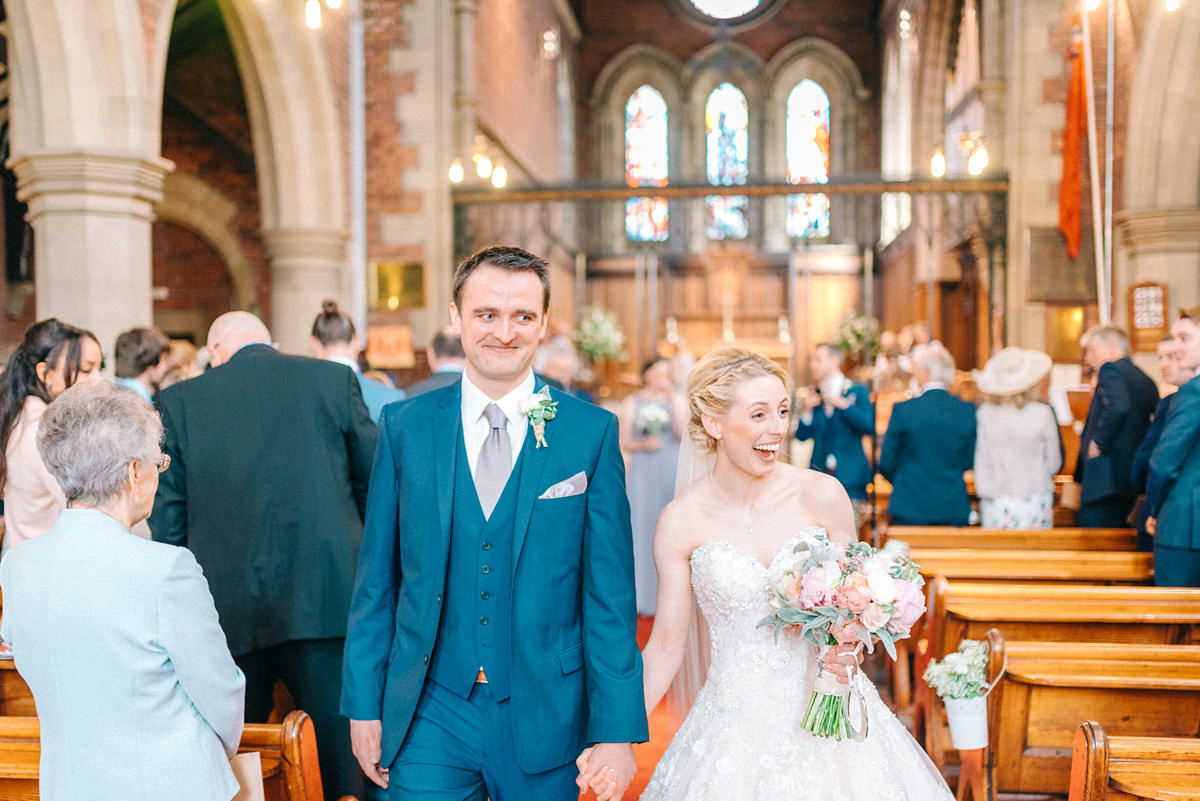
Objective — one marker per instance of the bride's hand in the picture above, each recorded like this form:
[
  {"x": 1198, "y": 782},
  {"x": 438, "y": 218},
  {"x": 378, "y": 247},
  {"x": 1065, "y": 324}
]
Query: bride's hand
[{"x": 841, "y": 660}]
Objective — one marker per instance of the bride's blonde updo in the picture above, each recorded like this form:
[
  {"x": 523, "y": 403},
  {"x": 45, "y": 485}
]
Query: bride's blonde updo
[{"x": 711, "y": 383}]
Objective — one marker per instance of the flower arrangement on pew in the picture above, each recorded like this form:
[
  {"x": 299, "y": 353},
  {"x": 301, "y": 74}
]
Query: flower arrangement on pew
[
  {"x": 839, "y": 594},
  {"x": 960, "y": 680}
]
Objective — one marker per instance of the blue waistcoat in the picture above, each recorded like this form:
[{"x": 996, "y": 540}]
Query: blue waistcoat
[{"x": 476, "y": 628}]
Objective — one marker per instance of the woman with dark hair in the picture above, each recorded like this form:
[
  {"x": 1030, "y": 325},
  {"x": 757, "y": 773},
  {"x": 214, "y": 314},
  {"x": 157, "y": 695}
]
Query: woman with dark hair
[
  {"x": 335, "y": 339},
  {"x": 652, "y": 421},
  {"x": 52, "y": 357}
]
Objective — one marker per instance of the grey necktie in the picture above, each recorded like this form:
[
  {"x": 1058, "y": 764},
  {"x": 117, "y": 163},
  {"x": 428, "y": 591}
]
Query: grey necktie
[{"x": 495, "y": 460}]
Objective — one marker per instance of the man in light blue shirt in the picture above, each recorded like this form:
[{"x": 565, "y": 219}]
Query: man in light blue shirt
[{"x": 141, "y": 364}]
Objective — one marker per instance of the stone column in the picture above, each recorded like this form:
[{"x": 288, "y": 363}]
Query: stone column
[
  {"x": 1160, "y": 245},
  {"x": 308, "y": 265},
  {"x": 91, "y": 215}
]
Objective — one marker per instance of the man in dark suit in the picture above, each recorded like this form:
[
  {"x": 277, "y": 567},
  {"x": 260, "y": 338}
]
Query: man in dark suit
[
  {"x": 446, "y": 359},
  {"x": 1176, "y": 376},
  {"x": 270, "y": 458},
  {"x": 929, "y": 444},
  {"x": 1173, "y": 486},
  {"x": 837, "y": 414},
  {"x": 1122, "y": 402},
  {"x": 492, "y": 629}
]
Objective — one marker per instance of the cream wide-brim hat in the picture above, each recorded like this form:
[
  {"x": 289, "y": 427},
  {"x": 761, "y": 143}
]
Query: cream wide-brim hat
[{"x": 1012, "y": 371}]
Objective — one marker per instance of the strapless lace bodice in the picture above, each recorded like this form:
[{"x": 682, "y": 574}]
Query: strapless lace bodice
[
  {"x": 742, "y": 740},
  {"x": 749, "y": 664}
]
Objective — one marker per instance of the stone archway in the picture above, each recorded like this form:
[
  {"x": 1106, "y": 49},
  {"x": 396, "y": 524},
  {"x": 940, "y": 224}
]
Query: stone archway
[
  {"x": 87, "y": 110},
  {"x": 1159, "y": 227},
  {"x": 199, "y": 207}
]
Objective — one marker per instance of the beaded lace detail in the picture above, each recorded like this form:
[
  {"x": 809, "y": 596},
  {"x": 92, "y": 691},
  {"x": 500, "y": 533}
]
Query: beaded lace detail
[{"x": 742, "y": 740}]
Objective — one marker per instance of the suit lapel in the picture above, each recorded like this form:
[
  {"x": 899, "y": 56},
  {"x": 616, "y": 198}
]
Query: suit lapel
[
  {"x": 533, "y": 463},
  {"x": 447, "y": 430}
]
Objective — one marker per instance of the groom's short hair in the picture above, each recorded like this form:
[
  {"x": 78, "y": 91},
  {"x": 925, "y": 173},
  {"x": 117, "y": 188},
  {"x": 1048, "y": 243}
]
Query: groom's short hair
[{"x": 506, "y": 258}]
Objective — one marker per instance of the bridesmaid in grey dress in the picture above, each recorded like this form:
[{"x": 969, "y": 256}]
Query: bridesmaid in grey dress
[{"x": 652, "y": 421}]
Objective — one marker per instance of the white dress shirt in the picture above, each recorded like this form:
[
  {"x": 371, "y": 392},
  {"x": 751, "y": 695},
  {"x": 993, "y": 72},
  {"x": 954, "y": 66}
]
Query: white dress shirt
[{"x": 476, "y": 427}]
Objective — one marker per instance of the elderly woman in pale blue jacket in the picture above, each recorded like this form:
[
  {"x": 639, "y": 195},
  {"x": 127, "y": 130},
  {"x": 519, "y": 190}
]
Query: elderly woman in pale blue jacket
[
  {"x": 1018, "y": 448},
  {"x": 116, "y": 636}
]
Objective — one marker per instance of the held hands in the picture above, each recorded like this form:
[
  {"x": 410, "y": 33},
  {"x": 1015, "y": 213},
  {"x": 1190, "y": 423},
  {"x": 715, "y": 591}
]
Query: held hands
[
  {"x": 839, "y": 402},
  {"x": 1093, "y": 450},
  {"x": 606, "y": 769},
  {"x": 366, "y": 737},
  {"x": 1151, "y": 525}
]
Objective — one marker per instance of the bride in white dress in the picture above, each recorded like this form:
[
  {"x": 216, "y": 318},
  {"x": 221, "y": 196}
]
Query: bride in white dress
[{"x": 726, "y": 539}]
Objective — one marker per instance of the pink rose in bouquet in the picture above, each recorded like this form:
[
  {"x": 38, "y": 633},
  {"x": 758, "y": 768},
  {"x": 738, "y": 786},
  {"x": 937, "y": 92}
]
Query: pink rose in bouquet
[
  {"x": 845, "y": 594},
  {"x": 819, "y": 584}
]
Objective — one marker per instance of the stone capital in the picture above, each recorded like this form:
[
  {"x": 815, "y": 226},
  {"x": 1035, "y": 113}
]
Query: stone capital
[
  {"x": 90, "y": 183},
  {"x": 1167, "y": 230},
  {"x": 296, "y": 247}
]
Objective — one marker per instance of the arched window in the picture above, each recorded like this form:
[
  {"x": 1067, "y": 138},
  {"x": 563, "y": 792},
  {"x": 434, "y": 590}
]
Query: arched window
[
  {"x": 726, "y": 120},
  {"x": 808, "y": 158},
  {"x": 646, "y": 163},
  {"x": 725, "y": 9}
]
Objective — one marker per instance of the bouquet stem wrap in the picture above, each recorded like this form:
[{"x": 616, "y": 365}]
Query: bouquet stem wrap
[{"x": 829, "y": 707}]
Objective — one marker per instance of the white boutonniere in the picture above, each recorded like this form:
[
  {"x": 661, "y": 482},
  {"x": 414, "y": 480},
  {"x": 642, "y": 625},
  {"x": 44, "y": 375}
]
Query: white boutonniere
[{"x": 539, "y": 408}]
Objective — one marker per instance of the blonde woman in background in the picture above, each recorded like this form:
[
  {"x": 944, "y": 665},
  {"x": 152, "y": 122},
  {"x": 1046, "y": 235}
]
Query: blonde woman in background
[{"x": 1018, "y": 448}]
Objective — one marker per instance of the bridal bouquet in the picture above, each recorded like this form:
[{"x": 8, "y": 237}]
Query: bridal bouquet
[
  {"x": 840, "y": 595},
  {"x": 652, "y": 420}
]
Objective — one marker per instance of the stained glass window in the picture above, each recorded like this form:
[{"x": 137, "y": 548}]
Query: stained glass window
[
  {"x": 808, "y": 158},
  {"x": 726, "y": 121},
  {"x": 725, "y": 9},
  {"x": 646, "y": 163}
]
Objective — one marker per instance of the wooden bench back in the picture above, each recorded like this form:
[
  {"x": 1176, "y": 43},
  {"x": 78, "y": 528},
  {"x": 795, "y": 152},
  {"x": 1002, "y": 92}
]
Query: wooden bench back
[
  {"x": 1107, "y": 768},
  {"x": 1045, "y": 690},
  {"x": 1054, "y": 539},
  {"x": 288, "y": 752},
  {"x": 1119, "y": 567},
  {"x": 1077, "y": 613}
]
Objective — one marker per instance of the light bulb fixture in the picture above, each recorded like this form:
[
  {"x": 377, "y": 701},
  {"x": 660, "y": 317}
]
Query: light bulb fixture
[
  {"x": 551, "y": 45},
  {"x": 499, "y": 176},
  {"x": 978, "y": 160},
  {"x": 456, "y": 172},
  {"x": 333, "y": 4},
  {"x": 937, "y": 163},
  {"x": 1092, "y": 5},
  {"x": 1172, "y": 5},
  {"x": 312, "y": 14},
  {"x": 483, "y": 166}
]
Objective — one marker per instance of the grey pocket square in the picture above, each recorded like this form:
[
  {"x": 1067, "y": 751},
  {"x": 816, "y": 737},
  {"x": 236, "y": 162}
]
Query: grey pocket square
[{"x": 575, "y": 485}]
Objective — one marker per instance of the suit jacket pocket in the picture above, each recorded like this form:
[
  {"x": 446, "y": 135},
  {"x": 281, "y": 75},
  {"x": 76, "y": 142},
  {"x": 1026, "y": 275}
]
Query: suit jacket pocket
[{"x": 571, "y": 659}]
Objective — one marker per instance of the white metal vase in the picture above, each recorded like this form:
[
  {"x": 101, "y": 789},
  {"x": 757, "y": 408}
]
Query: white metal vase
[{"x": 968, "y": 721}]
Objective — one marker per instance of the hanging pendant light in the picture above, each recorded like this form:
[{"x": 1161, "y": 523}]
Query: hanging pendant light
[{"x": 312, "y": 14}]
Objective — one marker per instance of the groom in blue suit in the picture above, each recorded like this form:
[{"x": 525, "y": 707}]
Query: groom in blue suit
[{"x": 492, "y": 627}]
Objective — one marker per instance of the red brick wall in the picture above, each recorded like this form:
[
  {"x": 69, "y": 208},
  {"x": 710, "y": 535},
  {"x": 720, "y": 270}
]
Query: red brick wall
[
  {"x": 192, "y": 273},
  {"x": 517, "y": 86},
  {"x": 387, "y": 155},
  {"x": 206, "y": 132}
]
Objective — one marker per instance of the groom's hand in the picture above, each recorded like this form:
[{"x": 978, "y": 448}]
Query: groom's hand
[
  {"x": 366, "y": 737},
  {"x": 607, "y": 768}
]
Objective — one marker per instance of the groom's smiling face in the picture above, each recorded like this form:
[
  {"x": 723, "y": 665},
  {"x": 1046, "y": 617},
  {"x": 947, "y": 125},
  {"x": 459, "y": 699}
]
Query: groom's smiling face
[{"x": 500, "y": 320}]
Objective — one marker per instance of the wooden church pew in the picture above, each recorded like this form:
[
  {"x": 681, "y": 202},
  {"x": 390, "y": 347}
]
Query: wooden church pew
[
  {"x": 288, "y": 752},
  {"x": 1105, "y": 768},
  {"x": 1045, "y": 690},
  {"x": 1054, "y": 539},
  {"x": 1119, "y": 567}
]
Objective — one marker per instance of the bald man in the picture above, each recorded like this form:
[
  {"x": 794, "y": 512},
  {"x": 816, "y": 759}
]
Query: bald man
[{"x": 270, "y": 456}]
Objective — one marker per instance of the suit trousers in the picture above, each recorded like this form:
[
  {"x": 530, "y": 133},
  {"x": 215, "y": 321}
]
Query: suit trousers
[
  {"x": 461, "y": 749},
  {"x": 1111, "y": 512},
  {"x": 1176, "y": 567},
  {"x": 312, "y": 672}
]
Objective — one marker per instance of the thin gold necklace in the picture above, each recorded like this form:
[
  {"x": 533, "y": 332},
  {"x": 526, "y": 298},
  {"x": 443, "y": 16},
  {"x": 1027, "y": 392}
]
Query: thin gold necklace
[{"x": 750, "y": 512}]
